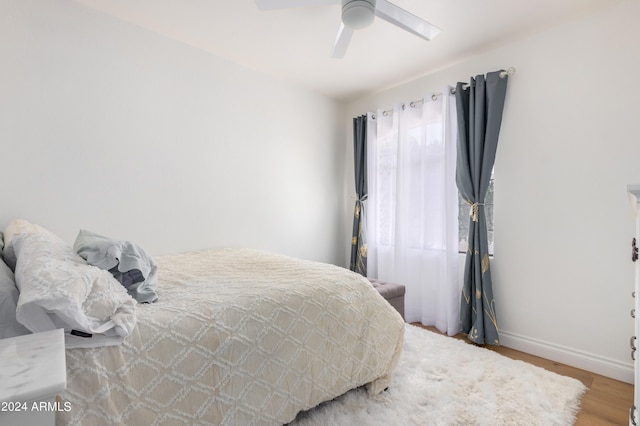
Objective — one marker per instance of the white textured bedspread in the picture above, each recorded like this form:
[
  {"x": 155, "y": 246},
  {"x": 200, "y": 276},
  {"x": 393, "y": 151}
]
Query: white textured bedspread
[{"x": 237, "y": 337}]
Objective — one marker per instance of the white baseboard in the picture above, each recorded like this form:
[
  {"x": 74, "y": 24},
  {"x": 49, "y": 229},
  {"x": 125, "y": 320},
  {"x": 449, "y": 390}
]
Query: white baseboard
[{"x": 614, "y": 369}]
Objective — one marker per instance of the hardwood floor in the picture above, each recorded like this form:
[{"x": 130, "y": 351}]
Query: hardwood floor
[{"x": 606, "y": 402}]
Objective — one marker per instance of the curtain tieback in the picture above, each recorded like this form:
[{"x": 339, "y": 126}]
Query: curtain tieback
[
  {"x": 359, "y": 204},
  {"x": 473, "y": 211},
  {"x": 361, "y": 199}
]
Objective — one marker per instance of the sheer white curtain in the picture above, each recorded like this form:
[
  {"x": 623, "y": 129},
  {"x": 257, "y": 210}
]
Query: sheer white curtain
[{"x": 412, "y": 221}]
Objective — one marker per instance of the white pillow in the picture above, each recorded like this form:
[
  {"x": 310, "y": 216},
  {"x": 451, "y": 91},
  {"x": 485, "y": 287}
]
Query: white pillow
[
  {"x": 16, "y": 227},
  {"x": 58, "y": 289}
]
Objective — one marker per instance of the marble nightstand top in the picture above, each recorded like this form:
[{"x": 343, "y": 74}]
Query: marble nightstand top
[{"x": 32, "y": 366}]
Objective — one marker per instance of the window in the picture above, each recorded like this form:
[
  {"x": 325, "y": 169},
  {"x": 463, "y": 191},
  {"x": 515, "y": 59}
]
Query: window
[
  {"x": 409, "y": 189},
  {"x": 463, "y": 219}
]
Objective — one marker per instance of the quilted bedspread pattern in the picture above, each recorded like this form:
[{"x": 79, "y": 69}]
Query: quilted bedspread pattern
[{"x": 237, "y": 337}]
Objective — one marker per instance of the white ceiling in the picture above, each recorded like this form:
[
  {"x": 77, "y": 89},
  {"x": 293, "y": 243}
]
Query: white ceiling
[{"x": 295, "y": 44}]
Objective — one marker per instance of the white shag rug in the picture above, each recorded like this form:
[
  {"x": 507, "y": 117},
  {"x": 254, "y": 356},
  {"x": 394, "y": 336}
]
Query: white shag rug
[{"x": 443, "y": 381}]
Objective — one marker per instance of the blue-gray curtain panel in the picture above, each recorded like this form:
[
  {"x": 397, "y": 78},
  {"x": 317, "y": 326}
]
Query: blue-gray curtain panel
[
  {"x": 358, "y": 241},
  {"x": 480, "y": 109}
]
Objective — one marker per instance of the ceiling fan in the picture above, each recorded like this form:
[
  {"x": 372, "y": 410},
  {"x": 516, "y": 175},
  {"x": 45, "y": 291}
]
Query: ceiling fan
[{"x": 357, "y": 14}]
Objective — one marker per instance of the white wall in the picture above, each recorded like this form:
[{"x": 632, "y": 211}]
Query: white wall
[
  {"x": 568, "y": 147},
  {"x": 108, "y": 127}
]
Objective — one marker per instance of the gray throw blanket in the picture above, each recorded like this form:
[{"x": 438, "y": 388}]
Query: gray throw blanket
[{"x": 126, "y": 261}]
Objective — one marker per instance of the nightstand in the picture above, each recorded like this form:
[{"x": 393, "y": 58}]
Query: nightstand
[{"x": 32, "y": 373}]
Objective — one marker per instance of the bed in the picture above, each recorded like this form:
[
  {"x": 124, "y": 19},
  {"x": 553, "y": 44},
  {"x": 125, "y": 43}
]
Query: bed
[{"x": 237, "y": 336}]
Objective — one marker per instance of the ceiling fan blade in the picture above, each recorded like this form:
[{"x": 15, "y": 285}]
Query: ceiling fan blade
[
  {"x": 405, "y": 20},
  {"x": 342, "y": 41},
  {"x": 286, "y": 4}
]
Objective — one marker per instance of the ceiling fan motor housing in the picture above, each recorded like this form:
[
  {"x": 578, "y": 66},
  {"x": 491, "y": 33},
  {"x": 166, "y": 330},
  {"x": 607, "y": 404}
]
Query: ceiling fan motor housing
[{"x": 357, "y": 14}]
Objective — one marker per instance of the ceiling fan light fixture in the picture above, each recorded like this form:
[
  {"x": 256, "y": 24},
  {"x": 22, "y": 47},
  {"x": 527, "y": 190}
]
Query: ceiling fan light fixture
[{"x": 357, "y": 14}]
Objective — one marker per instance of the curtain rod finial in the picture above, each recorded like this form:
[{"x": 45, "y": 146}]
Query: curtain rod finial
[{"x": 509, "y": 72}]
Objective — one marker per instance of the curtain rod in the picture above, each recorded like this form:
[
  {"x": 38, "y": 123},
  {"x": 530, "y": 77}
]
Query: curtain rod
[{"x": 509, "y": 72}]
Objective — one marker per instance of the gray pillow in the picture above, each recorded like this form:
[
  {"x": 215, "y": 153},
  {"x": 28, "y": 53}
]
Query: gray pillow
[
  {"x": 126, "y": 261},
  {"x": 9, "y": 325}
]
